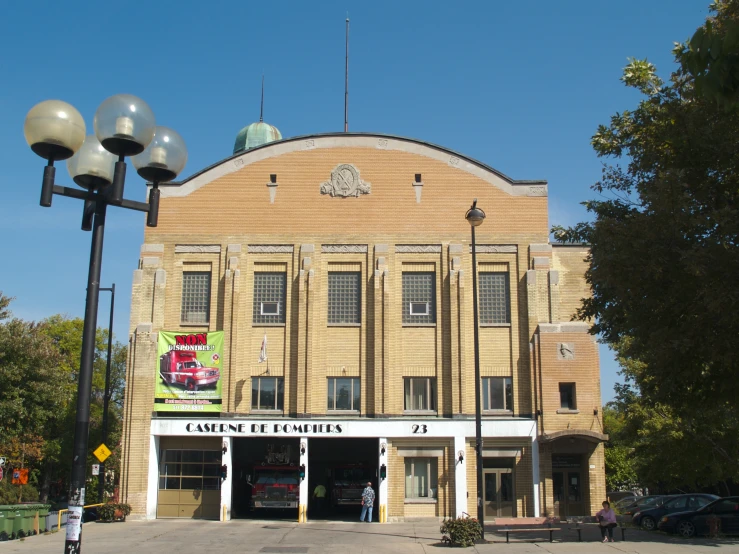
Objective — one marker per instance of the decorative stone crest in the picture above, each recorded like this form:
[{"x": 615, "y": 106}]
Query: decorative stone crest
[
  {"x": 345, "y": 182},
  {"x": 566, "y": 351}
]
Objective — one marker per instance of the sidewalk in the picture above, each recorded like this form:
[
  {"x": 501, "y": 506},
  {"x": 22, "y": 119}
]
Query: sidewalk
[{"x": 282, "y": 537}]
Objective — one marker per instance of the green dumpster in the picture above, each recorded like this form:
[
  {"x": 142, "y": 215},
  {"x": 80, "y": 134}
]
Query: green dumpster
[
  {"x": 18, "y": 517},
  {"x": 7, "y": 515},
  {"x": 43, "y": 513},
  {"x": 30, "y": 510}
]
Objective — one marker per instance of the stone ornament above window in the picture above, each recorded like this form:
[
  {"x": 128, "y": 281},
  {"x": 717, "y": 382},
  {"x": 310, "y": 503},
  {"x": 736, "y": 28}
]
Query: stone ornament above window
[
  {"x": 566, "y": 351},
  {"x": 345, "y": 182}
]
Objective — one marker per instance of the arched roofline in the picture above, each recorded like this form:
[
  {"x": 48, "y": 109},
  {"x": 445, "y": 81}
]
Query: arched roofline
[{"x": 537, "y": 187}]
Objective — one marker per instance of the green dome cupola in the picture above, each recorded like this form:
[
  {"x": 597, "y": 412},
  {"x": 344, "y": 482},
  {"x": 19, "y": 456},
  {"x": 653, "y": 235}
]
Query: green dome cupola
[{"x": 257, "y": 133}]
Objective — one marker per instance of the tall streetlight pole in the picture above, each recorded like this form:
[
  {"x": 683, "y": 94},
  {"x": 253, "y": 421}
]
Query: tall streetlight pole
[
  {"x": 475, "y": 217},
  {"x": 124, "y": 126},
  {"x": 106, "y": 394}
]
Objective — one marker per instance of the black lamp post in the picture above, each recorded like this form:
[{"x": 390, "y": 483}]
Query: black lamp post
[
  {"x": 106, "y": 393},
  {"x": 124, "y": 126},
  {"x": 475, "y": 217}
]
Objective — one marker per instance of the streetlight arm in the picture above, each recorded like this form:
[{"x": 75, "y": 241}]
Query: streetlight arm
[{"x": 87, "y": 195}]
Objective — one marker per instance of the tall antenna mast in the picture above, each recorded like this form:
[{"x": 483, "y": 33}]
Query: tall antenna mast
[
  {"x": 346, "y": 80},
  {"x": 261, "y": 108}
]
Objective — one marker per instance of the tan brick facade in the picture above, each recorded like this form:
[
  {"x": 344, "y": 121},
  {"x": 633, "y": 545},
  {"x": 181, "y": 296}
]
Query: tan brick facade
[{"x": 223, "y": 221}]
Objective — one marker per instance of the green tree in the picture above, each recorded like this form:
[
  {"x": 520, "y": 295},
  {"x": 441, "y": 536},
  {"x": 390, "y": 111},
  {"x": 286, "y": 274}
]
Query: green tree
[
  {"x": 665, "y": 254},
  {"x": 32, "y": 391},
  {"x": 619, "y": 454},
  {"x": 711, "y": 56},
  {"x": 39, "y": 367}
]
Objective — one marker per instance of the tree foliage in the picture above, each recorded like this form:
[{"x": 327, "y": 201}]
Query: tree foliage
[
  {"x": 39, "y": 367},
  {"x": 665, "y": 251}
]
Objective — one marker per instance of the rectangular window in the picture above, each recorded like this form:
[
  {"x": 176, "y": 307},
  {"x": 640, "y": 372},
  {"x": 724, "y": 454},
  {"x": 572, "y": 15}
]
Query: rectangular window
[
  {"x": 269, "y": 297},
  {"x": 418, "y": 297},
  {"x": 497, "y": 393},
  {"x": 343, "y": 394},
  {"x": 420, "y": 393},
  {"x": 344, "y": 294},
  {"x": 420, "y": 478},
  {"x": 190, "y": 469},
  {"x": 195, "y": 297},
  {"x": 567, "y": 399},
  {"x": 494, "y": 298},
  {"x": 267, "y": 393}
]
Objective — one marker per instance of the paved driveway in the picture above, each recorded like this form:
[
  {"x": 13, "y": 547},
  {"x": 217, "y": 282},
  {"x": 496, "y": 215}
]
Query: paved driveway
[{"x": 200, "y": 537}]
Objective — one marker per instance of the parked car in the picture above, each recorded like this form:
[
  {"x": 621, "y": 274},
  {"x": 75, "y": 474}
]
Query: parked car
[
  {"x": 642, "y": 502},
  {"x": 689, "y": 524},
  {"x": 618, "y": 496},
  {"x": 649, "y": 516},
  {"x": 624, "y": 502}
]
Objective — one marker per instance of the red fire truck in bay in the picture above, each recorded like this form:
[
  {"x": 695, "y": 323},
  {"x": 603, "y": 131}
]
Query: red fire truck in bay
[
  {"x": 275, "y": 487},
  {"x": 182, "y": 367},
  {"x": 347, "y": 483}
]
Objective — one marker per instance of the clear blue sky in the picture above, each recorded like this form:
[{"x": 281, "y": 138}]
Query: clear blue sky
[{"x": 520, "y": 86}]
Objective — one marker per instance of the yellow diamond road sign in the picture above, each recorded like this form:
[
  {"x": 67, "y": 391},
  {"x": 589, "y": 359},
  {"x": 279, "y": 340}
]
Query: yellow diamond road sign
[{"x": 102, "y": 453}]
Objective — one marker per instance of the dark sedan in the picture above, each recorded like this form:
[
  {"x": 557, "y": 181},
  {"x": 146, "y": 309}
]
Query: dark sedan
[
  {"x": 642, "y": 503},
  {"x": 649, "y": 516},
  {"x": 689, "y": 524}
]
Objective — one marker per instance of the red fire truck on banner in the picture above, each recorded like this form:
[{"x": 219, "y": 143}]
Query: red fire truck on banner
[{"x": 182, "y": 367}]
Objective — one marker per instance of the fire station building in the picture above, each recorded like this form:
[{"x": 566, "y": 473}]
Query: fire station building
[{"x": 337, "y": 270}]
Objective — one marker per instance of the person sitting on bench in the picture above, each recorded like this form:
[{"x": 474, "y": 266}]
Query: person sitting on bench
[{"x": 607, "y": 520}]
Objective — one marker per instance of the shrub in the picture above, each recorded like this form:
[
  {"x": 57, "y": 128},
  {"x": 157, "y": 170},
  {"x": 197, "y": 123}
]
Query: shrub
[
  {"x": 461, "y": 531},
  {"x": 114, "y": 512}
]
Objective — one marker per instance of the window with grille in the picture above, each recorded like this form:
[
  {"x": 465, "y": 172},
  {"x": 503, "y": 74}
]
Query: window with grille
[
  {"x": 269, "y": 297},
  {"x": 343, "y": 394},
  {"x": 421, "y": 477},
  {"x": 190, "y": 470},
  {"x": 497, "y": 393},
  {"x": 494, "y": 298},
  {"x": 195, "y": 297},
  {"x": 419, "y": 297},
  {"x": 267, "y": 393},
  {"x": 567, "y": 398},
  {"x": 420, "y": 393},
  {"x": 344, "y": 304}
]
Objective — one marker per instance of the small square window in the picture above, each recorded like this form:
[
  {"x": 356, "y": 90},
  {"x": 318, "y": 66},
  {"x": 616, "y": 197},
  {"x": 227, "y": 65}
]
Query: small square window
[
  {"x": 419, "y": 308},
  {"x": 567, "y": 398},
  {"x": 270, "y": 308}
]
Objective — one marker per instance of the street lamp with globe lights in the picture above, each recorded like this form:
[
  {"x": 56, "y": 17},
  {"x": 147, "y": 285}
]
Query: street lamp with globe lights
[
  {"x": 475, "y": 216},
  {"x": 124, "y": 126}
]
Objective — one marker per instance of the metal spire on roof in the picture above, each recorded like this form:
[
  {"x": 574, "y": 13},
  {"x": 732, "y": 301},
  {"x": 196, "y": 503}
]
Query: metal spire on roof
[
  {"x": 346, "y": 79},
  {"x": 261, "y": 108}
]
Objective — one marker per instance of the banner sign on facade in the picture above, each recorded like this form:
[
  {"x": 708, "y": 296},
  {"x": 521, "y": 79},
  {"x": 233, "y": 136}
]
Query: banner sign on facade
[{"x": 189, "y": 372}]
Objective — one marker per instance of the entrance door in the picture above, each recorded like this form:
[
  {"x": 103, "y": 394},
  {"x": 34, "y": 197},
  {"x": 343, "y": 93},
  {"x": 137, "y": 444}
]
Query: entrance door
[
  {"x": 567, "y": 493},
  {"x": 499, "y": 498}
]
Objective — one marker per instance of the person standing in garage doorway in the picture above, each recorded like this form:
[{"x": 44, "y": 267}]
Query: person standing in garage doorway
[
  {"x": 368, "y": 499},
  {"x": 319, "y": 497}
]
